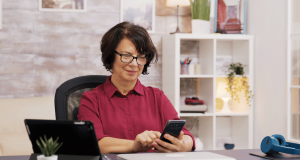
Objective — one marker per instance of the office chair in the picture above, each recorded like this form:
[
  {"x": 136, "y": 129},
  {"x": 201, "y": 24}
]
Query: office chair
[{"x": 68, "y": 95}]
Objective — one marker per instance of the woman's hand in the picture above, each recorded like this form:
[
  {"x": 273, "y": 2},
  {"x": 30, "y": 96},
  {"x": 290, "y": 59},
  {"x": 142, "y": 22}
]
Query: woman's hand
[
  {"x": 144, "y": 141},
  {"x": 177, "y": 146}
]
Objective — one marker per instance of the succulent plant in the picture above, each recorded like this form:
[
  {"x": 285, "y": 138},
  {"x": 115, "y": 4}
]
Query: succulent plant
[
  {"x": 200, "y": 9},
  {"x": 47, "y": 146}
]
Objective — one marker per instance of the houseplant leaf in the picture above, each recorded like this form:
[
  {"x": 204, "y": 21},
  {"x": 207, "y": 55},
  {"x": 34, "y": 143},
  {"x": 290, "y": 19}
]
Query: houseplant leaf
[
  {"x": 58, "y": 147},
  {"x": 40, "y": 146}
]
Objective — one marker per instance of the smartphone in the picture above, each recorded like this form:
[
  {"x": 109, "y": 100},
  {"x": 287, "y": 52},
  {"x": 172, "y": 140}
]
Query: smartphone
[{"x": 173, "y": 128}]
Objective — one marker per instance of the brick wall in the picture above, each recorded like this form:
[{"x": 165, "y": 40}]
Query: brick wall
[{"x": 41, "y": 50}]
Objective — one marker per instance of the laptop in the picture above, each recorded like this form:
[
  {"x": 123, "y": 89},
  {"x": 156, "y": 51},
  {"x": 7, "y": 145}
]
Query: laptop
[
  {"x": 78, "y": 137},
  {"x": 175, "y": 156}
]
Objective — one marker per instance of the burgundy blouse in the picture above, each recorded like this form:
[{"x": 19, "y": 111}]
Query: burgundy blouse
[{"x": 118, "y": 116}]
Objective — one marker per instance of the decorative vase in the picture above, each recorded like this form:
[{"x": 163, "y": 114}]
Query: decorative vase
[
  {"x": 200, "y": 26},
  {"x": 225, "y": 108},
  {"x": 199, "y": 144},
  {"x": 42, "y": 157}
]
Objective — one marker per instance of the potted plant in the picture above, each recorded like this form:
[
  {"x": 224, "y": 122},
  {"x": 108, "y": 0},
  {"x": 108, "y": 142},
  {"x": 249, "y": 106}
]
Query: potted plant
[
  {"x": 237, "y": 84},
  {"x": 48, "y": 147},
  {"x": 200, "y": 10}
]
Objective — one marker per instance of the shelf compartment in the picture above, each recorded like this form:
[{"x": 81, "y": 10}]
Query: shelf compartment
[
  {"x": 231, "y": 51},
  {"x": 201, "y": 52},
  {"x": 295, "y": 115},
  {"x": 197, "y": 87},
  {"x": 232, "y": 130},
  {"x": 295, "y": 80},
  {"x": 236, "y": 107},
  {"x": 201, "y": 127}
]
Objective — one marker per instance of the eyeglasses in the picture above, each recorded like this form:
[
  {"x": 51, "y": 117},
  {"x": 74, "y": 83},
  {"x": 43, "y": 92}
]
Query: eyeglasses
[{"x": 126, "y": 58}]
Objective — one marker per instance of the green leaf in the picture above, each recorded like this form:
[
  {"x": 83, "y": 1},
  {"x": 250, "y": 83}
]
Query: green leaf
[
  {"x": 40, "y": 146},
  {"x": 44, "y": 144},
  {"x": 53, "y": 147},
  {"x": 55, "y": 144},
  {"x": 57, "y": 147},
  {"x": 45, "y": 139},
  {"x": 48, "y": 144},
  {"x": 46, "y": 152},
  {"x": 50, "y": 141},
  {"x": 56, "y": 140}
]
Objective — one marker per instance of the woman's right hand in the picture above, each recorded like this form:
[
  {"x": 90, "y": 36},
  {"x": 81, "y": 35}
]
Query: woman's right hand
[{"x": 143, "y": 141}]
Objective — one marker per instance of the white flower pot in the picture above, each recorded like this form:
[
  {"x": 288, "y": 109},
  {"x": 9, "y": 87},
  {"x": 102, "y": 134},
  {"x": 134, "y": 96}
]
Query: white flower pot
[
  {"x": 42, "y": 157},
  {"x": 200, "y": 26}
]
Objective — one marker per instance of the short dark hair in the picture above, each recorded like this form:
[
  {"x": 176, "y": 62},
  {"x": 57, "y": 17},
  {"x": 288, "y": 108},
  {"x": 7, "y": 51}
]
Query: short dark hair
[{"x": 136, "y": 34}]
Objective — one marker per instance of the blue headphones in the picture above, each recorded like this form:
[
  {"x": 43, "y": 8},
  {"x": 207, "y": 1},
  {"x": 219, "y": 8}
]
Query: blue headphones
[{"x": 276, "y": 143}]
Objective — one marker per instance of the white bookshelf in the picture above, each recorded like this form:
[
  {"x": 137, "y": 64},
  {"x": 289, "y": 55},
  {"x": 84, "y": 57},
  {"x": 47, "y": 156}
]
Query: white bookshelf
[
  {"x": 210, "y": 50},
  {"x": 293, "y": 72}
]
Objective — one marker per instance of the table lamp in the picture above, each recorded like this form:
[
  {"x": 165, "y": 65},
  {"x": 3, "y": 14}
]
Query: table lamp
[
  {"x": 224, "y": 95},
  {"x": 174, "y": 3}
]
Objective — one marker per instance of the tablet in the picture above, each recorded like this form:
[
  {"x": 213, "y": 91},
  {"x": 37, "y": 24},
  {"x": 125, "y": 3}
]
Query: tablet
[{"x": 78, "y": 137}]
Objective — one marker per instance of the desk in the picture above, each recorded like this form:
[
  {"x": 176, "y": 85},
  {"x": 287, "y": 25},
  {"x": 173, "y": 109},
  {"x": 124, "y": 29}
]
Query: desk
[{"x": 242, "y": 154}]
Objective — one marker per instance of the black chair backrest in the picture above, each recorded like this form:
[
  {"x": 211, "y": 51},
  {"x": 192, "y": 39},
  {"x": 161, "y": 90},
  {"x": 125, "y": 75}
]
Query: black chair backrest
[{"x": 68, "y": 95}]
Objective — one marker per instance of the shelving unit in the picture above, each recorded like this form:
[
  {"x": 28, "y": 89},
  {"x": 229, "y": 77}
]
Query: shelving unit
[
  {"x": 293, "y": 72},
  {"x": 213, "y": 52}
]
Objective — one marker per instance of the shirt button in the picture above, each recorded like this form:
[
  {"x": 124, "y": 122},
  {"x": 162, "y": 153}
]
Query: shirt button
[
  {"x": 128, "y": 113},
  {"x": 126, "y": 98},
  {"x": 129, "y": 129}
]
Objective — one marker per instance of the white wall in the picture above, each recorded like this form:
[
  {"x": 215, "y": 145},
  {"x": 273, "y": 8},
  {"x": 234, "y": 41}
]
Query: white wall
[{"x": 267, "y": 21}]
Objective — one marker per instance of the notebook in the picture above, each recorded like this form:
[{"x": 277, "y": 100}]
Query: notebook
[{"x": 175, "y": 156}]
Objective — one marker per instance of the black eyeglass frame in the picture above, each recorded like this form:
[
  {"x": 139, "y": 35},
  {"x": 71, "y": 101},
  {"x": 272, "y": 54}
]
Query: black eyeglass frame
[{"x": 132, "y": 58}]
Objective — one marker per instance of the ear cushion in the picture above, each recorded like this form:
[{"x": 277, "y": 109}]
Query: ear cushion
[
  {"x": 267, "y": 145},
  {"x": 280, "y": 139}
]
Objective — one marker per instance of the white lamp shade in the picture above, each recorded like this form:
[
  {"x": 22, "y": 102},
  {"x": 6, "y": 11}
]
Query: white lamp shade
[
  {"x": 221, "y": 90},
  {"x": 174, "y": 3}
]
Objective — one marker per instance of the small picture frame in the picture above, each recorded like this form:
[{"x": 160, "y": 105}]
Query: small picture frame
[
  {"x": 230, "y": 16},
  {"x": 139, "y": 12},
  {"x": 63, "y": 5}
]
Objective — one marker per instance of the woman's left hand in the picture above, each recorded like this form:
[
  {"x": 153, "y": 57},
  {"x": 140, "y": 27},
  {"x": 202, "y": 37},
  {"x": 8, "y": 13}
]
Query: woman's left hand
[{"x": 177, "y": 146}]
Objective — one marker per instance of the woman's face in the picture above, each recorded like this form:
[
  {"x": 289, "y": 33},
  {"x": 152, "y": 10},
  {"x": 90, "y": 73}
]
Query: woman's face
[{"x": 127, "y": 71}]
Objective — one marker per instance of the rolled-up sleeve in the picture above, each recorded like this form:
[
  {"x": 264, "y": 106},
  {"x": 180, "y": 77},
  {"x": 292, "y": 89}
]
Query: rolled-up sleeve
[
  {"x": 171, "y": 114},
  {"x": 88, "y": 111}
]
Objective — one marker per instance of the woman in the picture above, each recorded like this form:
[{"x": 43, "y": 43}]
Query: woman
[{"x": 129, "y": 117}]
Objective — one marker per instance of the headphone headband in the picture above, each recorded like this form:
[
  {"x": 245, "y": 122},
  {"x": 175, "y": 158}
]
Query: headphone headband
[
  {"x": 283, "y": 149},
  {"x": 295, "y": 146}
]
